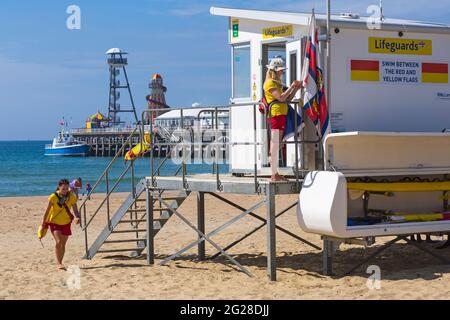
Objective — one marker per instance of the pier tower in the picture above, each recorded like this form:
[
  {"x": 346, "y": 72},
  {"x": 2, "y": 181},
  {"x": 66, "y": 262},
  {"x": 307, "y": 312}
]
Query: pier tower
[
  {"x": 117, "y": 62},
  {"x": 156, "y": 99}
]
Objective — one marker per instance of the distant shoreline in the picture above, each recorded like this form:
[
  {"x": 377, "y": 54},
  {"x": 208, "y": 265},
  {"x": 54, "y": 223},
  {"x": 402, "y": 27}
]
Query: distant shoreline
[{"x": 95, "y": 195}]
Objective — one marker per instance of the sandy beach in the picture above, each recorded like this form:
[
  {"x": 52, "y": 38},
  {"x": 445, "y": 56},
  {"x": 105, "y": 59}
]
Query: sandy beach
[{"x": 27, "y": 271}]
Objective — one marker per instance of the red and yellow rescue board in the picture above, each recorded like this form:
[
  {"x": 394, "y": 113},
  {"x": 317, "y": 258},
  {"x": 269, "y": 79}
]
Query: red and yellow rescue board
[
  {"x": 140, "y": 149},
  {"x": 399, "y": 186}
]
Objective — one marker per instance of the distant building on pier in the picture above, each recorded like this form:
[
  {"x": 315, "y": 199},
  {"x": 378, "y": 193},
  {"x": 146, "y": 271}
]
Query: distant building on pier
[{"x": 157, "y": 99}]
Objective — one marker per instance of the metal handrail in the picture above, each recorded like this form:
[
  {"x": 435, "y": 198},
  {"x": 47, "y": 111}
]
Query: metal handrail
[
  {"x": 213, "y": 114},
  {"x": 108, "y": 194},
  {"x": 142, "y": 128},
  {"x": 83, "y": 207},
  {"x": 215, "y": 110},
  {"x": 109, "y": 166}
]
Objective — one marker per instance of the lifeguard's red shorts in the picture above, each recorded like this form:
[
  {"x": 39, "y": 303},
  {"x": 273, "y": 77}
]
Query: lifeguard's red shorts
[
  {"x": 278, "y": 122},
  {"x": 64, "y": 229}
]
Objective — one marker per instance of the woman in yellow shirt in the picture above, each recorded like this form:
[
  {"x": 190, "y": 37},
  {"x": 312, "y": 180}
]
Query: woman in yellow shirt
[
  {"x": 273, "y": 91},
  {"x": 59, "y": 218}
]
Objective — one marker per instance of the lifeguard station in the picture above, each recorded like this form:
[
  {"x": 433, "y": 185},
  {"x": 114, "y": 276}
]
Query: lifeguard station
[{"x": 387, "y": 157}]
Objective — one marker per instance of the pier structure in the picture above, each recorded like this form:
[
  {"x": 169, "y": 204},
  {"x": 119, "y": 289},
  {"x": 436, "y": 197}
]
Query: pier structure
[
  {"x": 107, "y": 142},
  {"x": 107, "y": 135}
]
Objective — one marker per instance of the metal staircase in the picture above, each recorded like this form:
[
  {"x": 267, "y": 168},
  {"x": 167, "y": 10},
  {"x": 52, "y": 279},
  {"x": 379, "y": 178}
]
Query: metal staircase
[
  {"x": 166, "y": 134},
  {"x": 129, "y": 222},
  {"x": 126, "y": 230}
]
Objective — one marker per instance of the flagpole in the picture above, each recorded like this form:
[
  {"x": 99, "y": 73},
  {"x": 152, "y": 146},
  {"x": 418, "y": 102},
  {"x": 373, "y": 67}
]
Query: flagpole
[{"x": 328, "y": 53}]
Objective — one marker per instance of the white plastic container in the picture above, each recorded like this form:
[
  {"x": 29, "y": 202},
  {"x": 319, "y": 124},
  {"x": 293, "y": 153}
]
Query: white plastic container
[{"x": 325, "y": 204}]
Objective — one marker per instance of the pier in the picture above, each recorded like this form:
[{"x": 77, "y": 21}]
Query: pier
[{"x": 107, "y": 142}]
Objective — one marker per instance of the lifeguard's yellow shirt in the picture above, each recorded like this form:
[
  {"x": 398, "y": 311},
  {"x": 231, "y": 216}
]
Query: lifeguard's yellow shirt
[
  {"x": 58, "y": 215},
  {"x": 278, "y": 109}
]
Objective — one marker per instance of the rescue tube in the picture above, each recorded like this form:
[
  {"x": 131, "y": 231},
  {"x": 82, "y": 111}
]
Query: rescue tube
[
  {"x": 140, "y": 149},
  {"x": 42, "y": 231},
  {"x": 400, "y": 186},
  {"x": 418, "y": 217}
]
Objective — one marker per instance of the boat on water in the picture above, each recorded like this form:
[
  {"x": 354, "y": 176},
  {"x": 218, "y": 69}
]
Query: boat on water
[{"x": 64, "y": 144}]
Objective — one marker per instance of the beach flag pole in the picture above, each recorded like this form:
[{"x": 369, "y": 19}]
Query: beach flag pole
[{"x": 328, "y": 90}]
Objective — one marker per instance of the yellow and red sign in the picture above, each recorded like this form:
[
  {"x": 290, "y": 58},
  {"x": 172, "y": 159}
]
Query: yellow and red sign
[
  {"x": 419, "y": 47},
  {"x": 365, "y": 70},
  {"x": 398, "y": 72},
  {"x": 435, "y": 72}
]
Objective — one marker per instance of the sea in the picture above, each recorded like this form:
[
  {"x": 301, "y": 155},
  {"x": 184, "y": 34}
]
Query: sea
[{"x": 25, "y": 171}]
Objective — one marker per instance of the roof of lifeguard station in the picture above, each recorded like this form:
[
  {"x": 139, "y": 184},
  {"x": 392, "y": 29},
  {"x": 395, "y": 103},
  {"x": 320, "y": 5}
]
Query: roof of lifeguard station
[{"x": 298, "y": 18}]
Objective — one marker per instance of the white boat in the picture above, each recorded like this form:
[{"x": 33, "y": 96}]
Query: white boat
[{"x": 64, "y": 144}]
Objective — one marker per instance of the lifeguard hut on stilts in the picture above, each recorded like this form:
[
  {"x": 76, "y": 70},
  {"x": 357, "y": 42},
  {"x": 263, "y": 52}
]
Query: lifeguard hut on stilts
[{"x": 383, "y": 170}]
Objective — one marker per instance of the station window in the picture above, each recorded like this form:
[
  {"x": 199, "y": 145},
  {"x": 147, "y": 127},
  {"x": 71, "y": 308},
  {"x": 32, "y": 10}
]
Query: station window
[
  {"x": 293, "y": 65},
  {"x": 241, "y": 71},
  {"x": 270, "y": 51}
]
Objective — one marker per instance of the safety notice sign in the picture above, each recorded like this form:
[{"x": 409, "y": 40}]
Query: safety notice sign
[
  {"x": 402, "y": 72},
  {"x": 399, "y": 71}
]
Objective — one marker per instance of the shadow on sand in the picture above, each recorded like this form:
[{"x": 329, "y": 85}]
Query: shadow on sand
[{"x": 399, "y": 262}]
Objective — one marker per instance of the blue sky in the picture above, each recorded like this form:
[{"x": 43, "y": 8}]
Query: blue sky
[{"x": 49, "y": 71}]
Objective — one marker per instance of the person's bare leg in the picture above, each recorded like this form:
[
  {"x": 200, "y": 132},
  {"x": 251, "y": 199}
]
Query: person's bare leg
[
  {"x": 274, "y": 147},
  {"x": 274, "y": 155},
  {"x": 276, "y": 136},
  {"x": 279, "y": 149},
  {"x": 60, "y": 248},
  {"x": 63, "y": 246}
]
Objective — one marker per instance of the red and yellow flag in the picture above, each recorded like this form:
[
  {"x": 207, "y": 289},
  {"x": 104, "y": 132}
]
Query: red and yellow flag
[
  {"x": 435, "y": 72},
  {"x": 365, "y": 70}
]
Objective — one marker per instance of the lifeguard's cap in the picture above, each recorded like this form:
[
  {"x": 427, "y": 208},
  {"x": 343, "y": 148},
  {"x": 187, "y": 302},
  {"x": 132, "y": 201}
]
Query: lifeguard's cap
[{"x": 276, "y": 64}]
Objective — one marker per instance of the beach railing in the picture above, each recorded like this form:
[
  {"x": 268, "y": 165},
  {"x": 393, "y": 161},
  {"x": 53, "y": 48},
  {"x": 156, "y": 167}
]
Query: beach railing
[
  {"x": 170, "y": 139},
  {"x": 217, "y": 145},
  {"x": 110, "y": 187}
]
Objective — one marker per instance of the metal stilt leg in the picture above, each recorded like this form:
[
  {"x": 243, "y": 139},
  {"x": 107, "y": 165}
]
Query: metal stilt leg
[
  {"x": 204, "y": 237},
  {"x": 327, "y": 257},
  {"x": 150, "y": 231},
  {"x": 271, "y": 233},
  {"x": 201, "y": 223}
]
